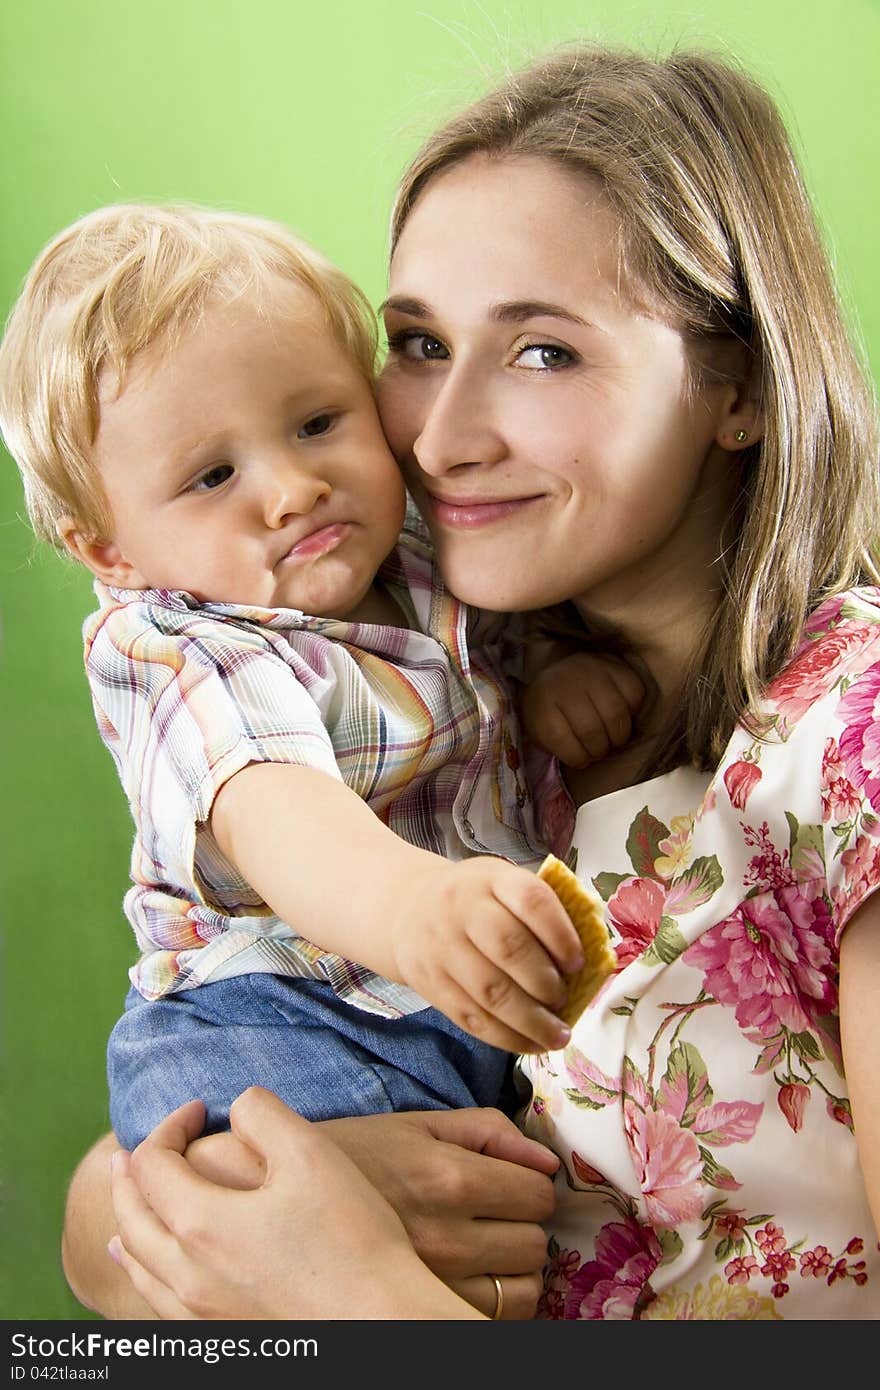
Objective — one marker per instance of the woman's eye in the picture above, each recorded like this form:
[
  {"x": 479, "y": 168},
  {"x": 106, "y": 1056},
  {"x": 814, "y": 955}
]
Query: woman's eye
[
  {"x": 215, "y": 477},
  {"x": 417, "y": 347},
  {"x": 544, "y": 357},
  {"x": 319, "y": 424}
]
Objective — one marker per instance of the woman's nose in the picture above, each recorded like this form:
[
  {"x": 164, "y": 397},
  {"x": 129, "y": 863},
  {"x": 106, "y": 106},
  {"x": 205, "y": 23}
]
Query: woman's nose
[
  {"x": 291, "y": 491},
  {"x": 458, "y": 429}
]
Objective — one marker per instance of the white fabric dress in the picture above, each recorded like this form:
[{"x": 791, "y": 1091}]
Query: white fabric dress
[{"x": 701, "y": 1112}]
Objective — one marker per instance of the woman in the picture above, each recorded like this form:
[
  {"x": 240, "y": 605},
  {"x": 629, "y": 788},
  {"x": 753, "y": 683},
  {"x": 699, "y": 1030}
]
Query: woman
[{"x": 618, "y": 379}]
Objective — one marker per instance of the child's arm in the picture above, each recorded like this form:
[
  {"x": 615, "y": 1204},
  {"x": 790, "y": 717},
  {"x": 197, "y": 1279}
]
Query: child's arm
[
  {"x": 484, "y": 941},
  {"x": 580, "y": 706},
  {"x": 860, "y": 1036}
]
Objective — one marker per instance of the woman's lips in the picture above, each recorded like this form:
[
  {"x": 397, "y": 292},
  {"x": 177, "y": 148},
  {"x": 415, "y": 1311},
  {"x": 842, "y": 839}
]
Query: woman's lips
[
  {"x": 469, "y": 514},
  {"x": 318, "y": 542}
]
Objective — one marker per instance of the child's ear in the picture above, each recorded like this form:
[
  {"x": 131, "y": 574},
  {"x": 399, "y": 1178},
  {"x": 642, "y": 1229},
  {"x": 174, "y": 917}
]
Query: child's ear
[
  {"x": 741, "y": 419},
  {"x": 103, "y": 558}
]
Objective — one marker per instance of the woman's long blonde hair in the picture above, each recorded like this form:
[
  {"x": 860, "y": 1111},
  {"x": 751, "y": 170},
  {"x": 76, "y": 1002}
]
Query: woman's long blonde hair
[{"x": 718, "y": 231}]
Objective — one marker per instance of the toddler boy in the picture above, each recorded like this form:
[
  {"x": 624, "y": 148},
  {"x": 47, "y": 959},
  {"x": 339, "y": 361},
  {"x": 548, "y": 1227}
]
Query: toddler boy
[{"x": 318, "y": 748}]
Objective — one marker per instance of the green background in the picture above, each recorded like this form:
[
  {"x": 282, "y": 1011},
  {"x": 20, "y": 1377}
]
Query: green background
[{"x": 305, "y": 113}]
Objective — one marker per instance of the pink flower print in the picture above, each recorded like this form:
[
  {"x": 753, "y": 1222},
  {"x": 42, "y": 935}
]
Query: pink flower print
[
  {"x": 768, "y": 967},
  {"x": 832, "y": 763},
  {"x": 838, "y": 1109},
  {"x": 809, "y": 910},
  {"x": 585, "y": 1171},
  {"x": 676, "y": 848},
  {"x": 564, "y": 1267},
  {"x": 817, "y": 668},
  {"x": 815, "y": 1263},
  {"x": 859, "y": 710},
  {"x": 731, "y": 1224},
  {"x": 551, "y": 1305},
  {"x": 740, "y": 779},
  {"x": 778, "y": 1259},
  {"x": 740, "y": 1269},
  {"x": 727, "y": 1122},
  {"x": 635, "y": 911},
  {"x": 840, "y": 800},
  {"x": 771, "y": 1237},
  {"x": 611, "y": 1285},
  {"x": 861, "y": 865},
  {"x": 590, "y": 1080},
  {"x": 792, "y": 1100},
  {"x": 767, "y": 869},
  {"x": 668, "y": 1165}
]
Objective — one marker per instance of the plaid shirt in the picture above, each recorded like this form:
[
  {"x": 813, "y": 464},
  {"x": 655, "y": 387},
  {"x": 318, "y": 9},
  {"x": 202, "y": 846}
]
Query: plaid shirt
[{"x": 186, "y": 694}]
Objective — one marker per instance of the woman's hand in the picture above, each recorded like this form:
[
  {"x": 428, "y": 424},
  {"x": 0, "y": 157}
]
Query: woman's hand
[
  {"x": 470, "y": 1189},
  {"x": 196, "y": 1250}
]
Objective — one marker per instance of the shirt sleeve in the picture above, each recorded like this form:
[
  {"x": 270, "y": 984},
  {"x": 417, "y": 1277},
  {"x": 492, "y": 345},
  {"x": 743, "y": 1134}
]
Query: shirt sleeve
[
  {"x": 181, "y": 712},
  {"x": 850, "y": 780}
]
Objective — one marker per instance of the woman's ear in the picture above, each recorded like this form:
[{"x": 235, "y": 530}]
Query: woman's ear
[
  {"x": 740, "y": 420},
  {"x": 103, "y": 558}
]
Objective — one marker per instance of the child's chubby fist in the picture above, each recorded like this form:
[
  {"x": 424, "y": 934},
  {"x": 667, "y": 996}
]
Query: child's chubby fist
[
  {"x": 581, "y": 707},
  {"x": 489, "y": 944}
]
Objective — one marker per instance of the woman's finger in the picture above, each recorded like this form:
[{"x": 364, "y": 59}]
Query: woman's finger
[
  {"x": 520, "y": 1294},
  {"x": 163, "y": 1301},
  {"x": 144, "y": 1248},
  {"x": 491, "y": 1134}
]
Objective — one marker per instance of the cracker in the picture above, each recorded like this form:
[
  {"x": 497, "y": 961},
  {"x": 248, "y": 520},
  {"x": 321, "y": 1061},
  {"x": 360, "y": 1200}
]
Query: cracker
[{"x": 589, "y": 923}]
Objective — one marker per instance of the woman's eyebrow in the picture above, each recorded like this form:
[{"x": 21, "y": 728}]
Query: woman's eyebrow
[
  {"x": 518, "y": 310},
  {"x": 506, "y": 311},
  {"x": 413, "y": 308}
]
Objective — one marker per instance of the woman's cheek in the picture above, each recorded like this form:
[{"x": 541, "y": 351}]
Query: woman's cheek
[{"x": 397, "y": 413}]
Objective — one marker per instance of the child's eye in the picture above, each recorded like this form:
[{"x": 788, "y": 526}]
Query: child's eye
[
  {"x": 544, "y": 357},
  {"x": 319, "y": 424},
  {"x": 214, "y": 477},
  {"x": 416, "y": 346}
]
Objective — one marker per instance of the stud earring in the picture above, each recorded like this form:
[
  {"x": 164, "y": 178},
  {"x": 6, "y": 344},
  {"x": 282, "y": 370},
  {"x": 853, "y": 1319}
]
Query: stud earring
[{"x": 741, "y": 436}]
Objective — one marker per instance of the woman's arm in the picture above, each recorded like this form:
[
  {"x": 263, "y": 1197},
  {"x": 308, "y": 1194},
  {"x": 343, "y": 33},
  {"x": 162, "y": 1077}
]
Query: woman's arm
[
  {"x": 469, "y": 1188},
  {"x": 860, "y": 1036}
]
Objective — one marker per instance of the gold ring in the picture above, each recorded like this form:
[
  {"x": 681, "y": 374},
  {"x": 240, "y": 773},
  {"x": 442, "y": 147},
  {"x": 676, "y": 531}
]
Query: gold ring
[{"x": 499, "y": 1297}]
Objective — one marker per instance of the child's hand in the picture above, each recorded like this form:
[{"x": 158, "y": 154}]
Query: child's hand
[
  {"x": 581, "y": 707},
  {"x": 488, "y": 944}
]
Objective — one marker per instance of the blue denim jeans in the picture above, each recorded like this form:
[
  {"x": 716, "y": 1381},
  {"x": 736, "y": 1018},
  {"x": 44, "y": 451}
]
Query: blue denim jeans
[{"x": 322, "y": 1056}]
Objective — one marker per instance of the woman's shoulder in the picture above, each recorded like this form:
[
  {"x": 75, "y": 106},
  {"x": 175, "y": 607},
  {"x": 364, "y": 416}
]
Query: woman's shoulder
[
  {"x": 840, "y": 644},
  {"x": 854, "y": 612}
]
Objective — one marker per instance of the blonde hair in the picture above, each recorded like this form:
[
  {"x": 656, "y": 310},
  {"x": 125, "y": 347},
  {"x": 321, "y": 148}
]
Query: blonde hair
[
  {"x": 108, "y": 287},
  {"x": 717, "y": 228}
]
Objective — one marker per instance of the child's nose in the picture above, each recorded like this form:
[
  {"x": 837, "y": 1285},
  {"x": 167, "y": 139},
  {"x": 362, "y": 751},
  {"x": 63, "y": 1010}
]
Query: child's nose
[{"x": 290, "y": 492}]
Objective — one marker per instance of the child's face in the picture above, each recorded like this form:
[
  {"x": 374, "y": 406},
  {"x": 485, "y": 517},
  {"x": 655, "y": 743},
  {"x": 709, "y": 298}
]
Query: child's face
[{"x": 246, "y": 464}]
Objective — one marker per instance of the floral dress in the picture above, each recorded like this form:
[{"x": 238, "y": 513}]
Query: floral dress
[{"x": 709, "y": 1164}]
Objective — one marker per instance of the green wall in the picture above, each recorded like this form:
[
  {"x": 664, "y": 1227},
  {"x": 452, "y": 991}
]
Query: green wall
[{"x": 305, "y": 113}]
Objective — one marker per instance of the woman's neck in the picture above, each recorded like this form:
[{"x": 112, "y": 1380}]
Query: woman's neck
[{"x": 661, "y": 635}]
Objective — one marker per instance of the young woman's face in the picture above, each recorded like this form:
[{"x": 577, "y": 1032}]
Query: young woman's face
[{"x": 543, "y": 420}]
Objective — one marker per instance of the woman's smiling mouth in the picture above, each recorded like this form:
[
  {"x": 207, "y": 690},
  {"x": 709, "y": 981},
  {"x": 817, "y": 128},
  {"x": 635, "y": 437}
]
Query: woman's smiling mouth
[{"x": 469, "y": 513}]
